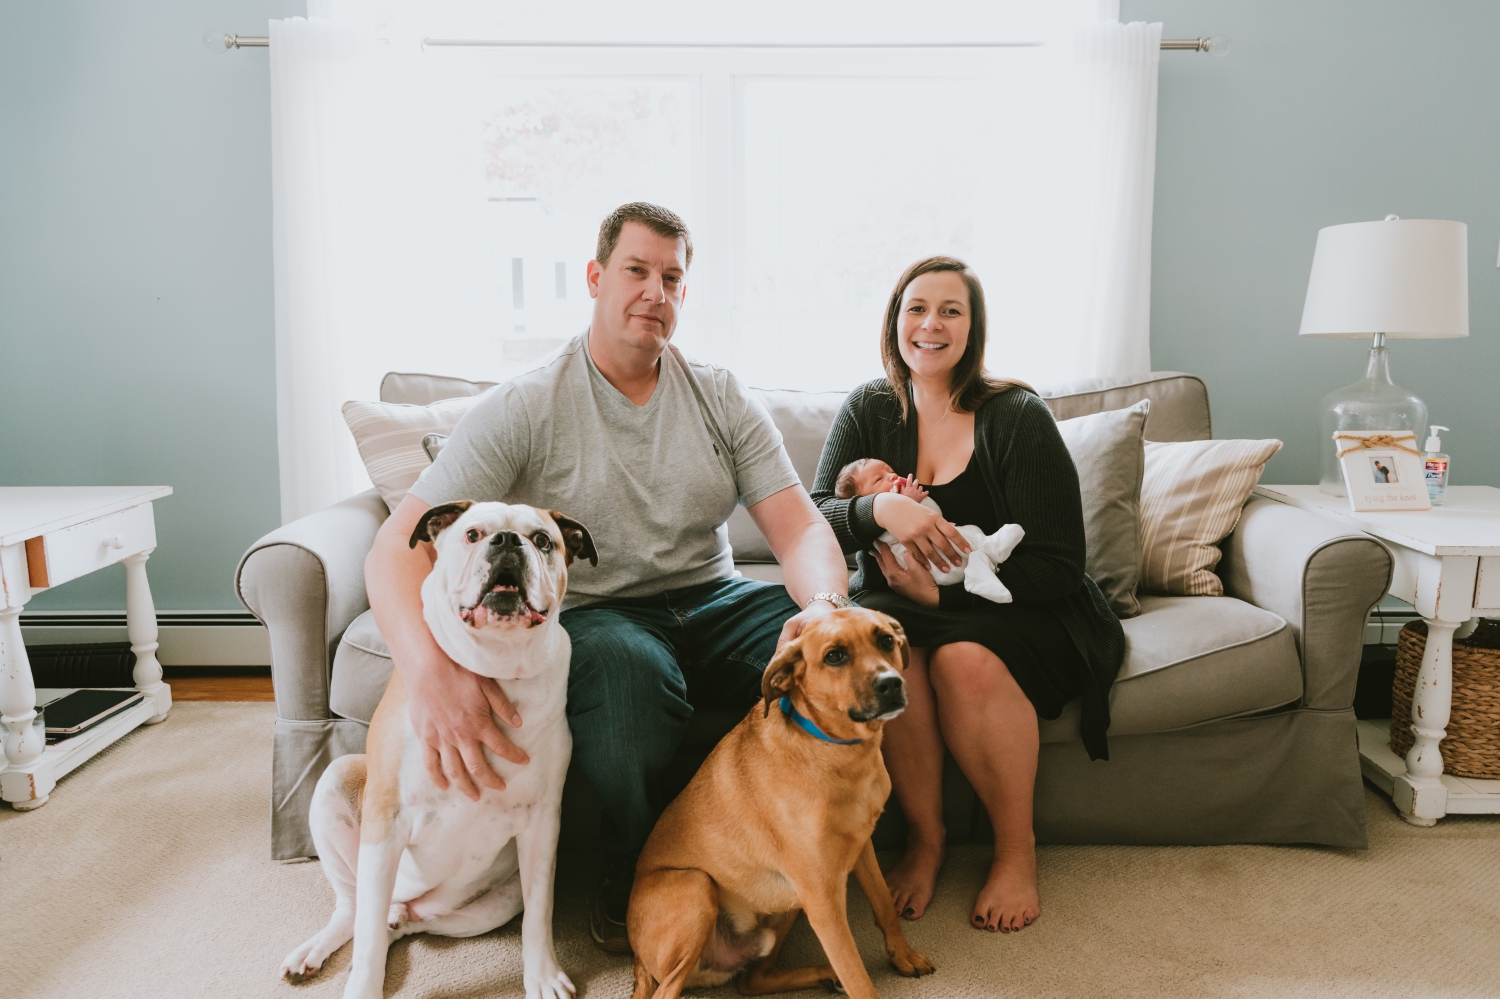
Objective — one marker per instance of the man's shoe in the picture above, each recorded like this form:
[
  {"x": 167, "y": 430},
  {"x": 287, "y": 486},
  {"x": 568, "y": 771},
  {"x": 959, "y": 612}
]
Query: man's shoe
[{"x": 611, "y": 899}]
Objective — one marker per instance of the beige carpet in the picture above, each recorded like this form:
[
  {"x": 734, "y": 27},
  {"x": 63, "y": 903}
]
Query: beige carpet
[{"x": 146, "y": 875}]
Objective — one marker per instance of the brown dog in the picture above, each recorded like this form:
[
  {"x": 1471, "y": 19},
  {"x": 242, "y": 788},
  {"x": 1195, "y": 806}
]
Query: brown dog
[{"x": 775, "y": 820}]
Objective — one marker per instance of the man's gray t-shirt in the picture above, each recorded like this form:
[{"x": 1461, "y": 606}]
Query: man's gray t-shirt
[{"x": 654, "y": 484}]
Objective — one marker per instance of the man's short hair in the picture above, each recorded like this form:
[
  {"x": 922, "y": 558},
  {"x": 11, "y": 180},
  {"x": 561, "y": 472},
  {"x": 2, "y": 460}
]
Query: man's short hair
[{"x": 661, "y": 221}]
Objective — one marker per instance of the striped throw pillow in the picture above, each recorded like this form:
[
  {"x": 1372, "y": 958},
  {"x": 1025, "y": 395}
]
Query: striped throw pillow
[
  {"x": 389, "y": 437},
  {"x": 1191, "y": 495}
]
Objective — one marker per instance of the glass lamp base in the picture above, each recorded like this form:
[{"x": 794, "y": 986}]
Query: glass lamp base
[{"x": 1374, "y": 403}]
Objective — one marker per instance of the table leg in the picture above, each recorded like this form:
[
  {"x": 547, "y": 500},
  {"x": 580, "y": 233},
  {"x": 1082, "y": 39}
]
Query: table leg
[
  {"x": 23, "y": 743},
  {"x": 1420, "y": 795},
  {"x": 140, "y": 623}
]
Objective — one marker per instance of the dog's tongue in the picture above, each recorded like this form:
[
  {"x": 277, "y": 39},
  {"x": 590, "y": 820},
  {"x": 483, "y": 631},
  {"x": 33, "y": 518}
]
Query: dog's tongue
[
  {"x": 534, "y": 616},
  {"x": 479, "y": 616}
]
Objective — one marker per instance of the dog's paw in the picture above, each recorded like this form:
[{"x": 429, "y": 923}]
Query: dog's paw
[
  {"x": 833, "y": 986},
  {"x": 912, "y": 963},
  {"x": 398, "y": 915},
  {"x": 550, "y": 982},
  {"x": 297, "y": 968}
]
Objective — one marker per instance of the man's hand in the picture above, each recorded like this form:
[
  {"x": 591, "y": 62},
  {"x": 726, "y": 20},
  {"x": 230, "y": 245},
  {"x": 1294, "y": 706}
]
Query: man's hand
[
  {"x": 453, "y": 711},
  {"x": 795, "y": 624}
]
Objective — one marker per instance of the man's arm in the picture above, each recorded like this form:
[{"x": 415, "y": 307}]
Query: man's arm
[
  {"x": 804, "y": 545},
  {"x": 453, "y": 710}
]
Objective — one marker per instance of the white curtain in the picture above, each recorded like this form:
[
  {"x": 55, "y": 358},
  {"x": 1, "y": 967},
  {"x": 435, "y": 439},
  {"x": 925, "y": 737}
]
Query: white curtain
[
  {"x": 317, "y": 68},
  {"x": 435, "y": 206}
]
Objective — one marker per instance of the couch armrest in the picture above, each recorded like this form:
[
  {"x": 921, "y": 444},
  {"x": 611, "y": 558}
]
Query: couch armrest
[
  {"x": 305, "y": 581},
  {"x": 1321, "y": 577}
]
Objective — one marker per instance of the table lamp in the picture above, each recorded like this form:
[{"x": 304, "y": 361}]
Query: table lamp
[{"x": 1391, "y": 279}]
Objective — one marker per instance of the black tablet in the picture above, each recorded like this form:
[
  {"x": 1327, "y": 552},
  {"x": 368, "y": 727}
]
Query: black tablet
[{"x": 72, "y": 713}]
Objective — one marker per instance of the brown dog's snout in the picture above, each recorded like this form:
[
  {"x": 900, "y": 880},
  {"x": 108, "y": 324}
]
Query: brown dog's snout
[
  {"x": 890, "y": 693},
  {"x": 889, "y": 687}
]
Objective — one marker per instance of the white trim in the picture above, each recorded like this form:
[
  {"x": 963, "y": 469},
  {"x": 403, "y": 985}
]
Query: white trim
[{"x": 187, "y": 638}]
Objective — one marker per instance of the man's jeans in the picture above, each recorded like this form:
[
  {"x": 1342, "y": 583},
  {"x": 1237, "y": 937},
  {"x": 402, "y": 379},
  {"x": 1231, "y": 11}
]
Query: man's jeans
[{"x": 640, "y": 667}]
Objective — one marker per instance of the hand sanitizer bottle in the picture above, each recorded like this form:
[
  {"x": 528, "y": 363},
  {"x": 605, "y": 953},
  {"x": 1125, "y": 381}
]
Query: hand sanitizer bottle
[{"x": 1435, "y": 461}]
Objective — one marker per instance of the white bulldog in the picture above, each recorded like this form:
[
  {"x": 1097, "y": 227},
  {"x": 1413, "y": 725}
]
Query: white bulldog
[{"x": 407, "y": 858}]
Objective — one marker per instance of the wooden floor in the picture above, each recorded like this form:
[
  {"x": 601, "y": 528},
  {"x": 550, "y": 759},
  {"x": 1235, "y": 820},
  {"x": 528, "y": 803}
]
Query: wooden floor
[{"x": 209, "y": 684}]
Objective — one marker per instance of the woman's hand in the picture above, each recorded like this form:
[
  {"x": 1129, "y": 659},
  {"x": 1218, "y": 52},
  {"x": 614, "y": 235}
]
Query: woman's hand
[
  {"x": 914, "y": 583},
  {"x": 928, "y": 538}
]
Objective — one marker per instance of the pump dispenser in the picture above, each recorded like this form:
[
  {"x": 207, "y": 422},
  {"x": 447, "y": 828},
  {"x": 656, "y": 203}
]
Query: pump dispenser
[{"x": 1435, "y": 463}]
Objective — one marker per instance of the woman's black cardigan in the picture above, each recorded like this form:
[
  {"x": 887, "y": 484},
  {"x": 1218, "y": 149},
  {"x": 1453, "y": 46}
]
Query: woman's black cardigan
[{"x": 1032, "y": 481}]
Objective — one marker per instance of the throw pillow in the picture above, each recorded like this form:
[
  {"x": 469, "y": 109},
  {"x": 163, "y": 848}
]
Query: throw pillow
[
  {"x": 1108, "y": 450},
  {"x": 1191, "y": 498},
  {"x": 389, "y": 437}
]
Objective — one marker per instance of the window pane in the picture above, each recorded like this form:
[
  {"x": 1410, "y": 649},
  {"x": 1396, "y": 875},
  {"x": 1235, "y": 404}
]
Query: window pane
[
  {"x": 847, "y": 181},
  {"x": 558, "y": 156}
]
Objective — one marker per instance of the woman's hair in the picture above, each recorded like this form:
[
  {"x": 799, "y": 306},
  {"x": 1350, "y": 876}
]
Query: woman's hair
[{"x": 971, "y": 385}]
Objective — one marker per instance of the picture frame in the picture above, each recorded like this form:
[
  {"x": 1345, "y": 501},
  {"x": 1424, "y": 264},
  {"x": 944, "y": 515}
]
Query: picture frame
[{"x": 1382, "y": 470}]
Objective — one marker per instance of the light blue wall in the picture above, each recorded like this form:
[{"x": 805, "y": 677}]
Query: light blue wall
[
  {"x": 1322, "y": 113},
  {"x": 136, "y": 331}
]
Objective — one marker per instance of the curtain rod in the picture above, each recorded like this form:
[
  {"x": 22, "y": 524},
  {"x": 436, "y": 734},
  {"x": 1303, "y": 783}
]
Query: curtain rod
[{"x": 1216, "y": 44}]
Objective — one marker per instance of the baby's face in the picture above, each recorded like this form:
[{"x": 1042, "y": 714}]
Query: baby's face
[{"x": 875, "y": 477}]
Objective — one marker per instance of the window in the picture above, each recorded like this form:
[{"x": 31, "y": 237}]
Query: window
[{"x": 438, "y": 195}]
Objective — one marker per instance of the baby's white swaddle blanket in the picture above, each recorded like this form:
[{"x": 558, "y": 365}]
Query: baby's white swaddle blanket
[{"x": 978, "y": 569}]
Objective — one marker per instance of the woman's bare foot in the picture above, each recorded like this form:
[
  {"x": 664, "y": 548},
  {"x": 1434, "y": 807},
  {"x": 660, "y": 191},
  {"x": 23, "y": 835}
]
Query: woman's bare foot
[
  {"x": 1009, "y": 901},
  {"x": 914, "y": 878}
]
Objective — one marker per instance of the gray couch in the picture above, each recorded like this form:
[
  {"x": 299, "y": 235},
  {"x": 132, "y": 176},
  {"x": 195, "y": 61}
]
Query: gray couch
[{"x": 1232, "y": 717}]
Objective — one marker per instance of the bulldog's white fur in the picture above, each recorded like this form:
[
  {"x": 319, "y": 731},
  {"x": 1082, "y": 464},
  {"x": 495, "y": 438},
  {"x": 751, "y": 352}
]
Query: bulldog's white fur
[{"x": 407, "y": 858}]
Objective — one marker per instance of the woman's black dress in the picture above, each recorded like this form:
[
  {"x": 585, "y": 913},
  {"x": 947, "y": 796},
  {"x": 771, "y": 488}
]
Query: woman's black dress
[
  {"x": 1029, "y": 640},
  {"x": 1059, "y": 639}
]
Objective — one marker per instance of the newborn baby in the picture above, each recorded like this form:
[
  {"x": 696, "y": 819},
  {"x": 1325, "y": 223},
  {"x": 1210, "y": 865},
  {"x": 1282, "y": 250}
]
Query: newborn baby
[{"x": 868, "y": 476}]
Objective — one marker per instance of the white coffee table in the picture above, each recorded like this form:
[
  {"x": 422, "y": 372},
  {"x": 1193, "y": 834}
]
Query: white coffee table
[
  {"x": 48, "y": 536},
  {"x": 1448, "y": 568}
]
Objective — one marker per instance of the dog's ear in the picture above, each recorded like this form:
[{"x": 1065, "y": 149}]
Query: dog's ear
[
  {"x": 435, "y": 520},
  {"x": 577, "y": 541},
  {"x": 781, "y": 674},
  {"x": 903, "y": 648}
]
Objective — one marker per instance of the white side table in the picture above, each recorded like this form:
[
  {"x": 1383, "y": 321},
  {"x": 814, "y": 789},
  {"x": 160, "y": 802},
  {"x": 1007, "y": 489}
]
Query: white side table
[
  {"x": 48, "y": 536},
  {"x": 1448, "y": 568}
]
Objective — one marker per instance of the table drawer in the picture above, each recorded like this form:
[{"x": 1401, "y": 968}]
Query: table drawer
[
  {"x": 1487, "y": 588},
  {"x": 72, "y": 552}
]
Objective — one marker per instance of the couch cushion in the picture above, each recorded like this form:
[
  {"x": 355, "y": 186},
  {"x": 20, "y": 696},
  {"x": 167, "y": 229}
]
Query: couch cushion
[
  {"x": 1195, "y": 659},
  {"x": 421, "y": 389},
  {"x": 1188, "y": 660},
  {"x": 1191, "y": 498},
  {"x": 391, "y": 438},
  {"x": 1179, "y": 402},
  {"x": 803, "y": 419},
  {"x": 1108, "y": 450},
  {"x": 361, "y": 670}
]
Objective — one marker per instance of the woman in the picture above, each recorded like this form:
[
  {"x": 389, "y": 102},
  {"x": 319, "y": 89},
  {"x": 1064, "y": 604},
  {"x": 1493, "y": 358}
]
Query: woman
[{"x": 988, "y": 451}]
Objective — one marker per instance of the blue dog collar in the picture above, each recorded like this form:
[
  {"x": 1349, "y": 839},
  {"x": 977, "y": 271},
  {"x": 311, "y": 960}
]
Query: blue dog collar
[{"x": 810, "y": 725}]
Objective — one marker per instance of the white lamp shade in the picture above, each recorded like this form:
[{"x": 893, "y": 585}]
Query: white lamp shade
[{"x": 1402, "y": 278}]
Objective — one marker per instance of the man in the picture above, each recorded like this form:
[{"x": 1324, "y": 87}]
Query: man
[{"x": 650, "y": 452}]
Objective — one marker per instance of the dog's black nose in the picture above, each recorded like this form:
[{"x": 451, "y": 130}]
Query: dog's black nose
[
  {"x": 888, "y": 685},
  {"x": 505, "y": 540}
]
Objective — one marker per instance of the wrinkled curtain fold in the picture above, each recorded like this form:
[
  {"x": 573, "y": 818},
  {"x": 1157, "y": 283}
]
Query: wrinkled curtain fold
[
  {"x": 1114, "y": 67},
  {"x": 316, "y": 71}
]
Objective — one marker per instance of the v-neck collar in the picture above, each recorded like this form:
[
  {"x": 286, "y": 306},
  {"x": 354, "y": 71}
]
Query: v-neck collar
[{"x": 606, "y": 389}]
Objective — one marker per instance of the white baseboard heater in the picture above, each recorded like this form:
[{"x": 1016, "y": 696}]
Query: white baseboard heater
[{"x": 187, "y": 638}]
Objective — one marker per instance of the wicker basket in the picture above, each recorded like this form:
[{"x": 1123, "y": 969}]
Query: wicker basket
[{"x": 1472, "y": 747}]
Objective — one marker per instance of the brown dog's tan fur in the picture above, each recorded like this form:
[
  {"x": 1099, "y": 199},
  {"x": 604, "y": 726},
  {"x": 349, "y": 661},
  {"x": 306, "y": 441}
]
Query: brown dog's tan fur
[{"x": 772, "y": 824}]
